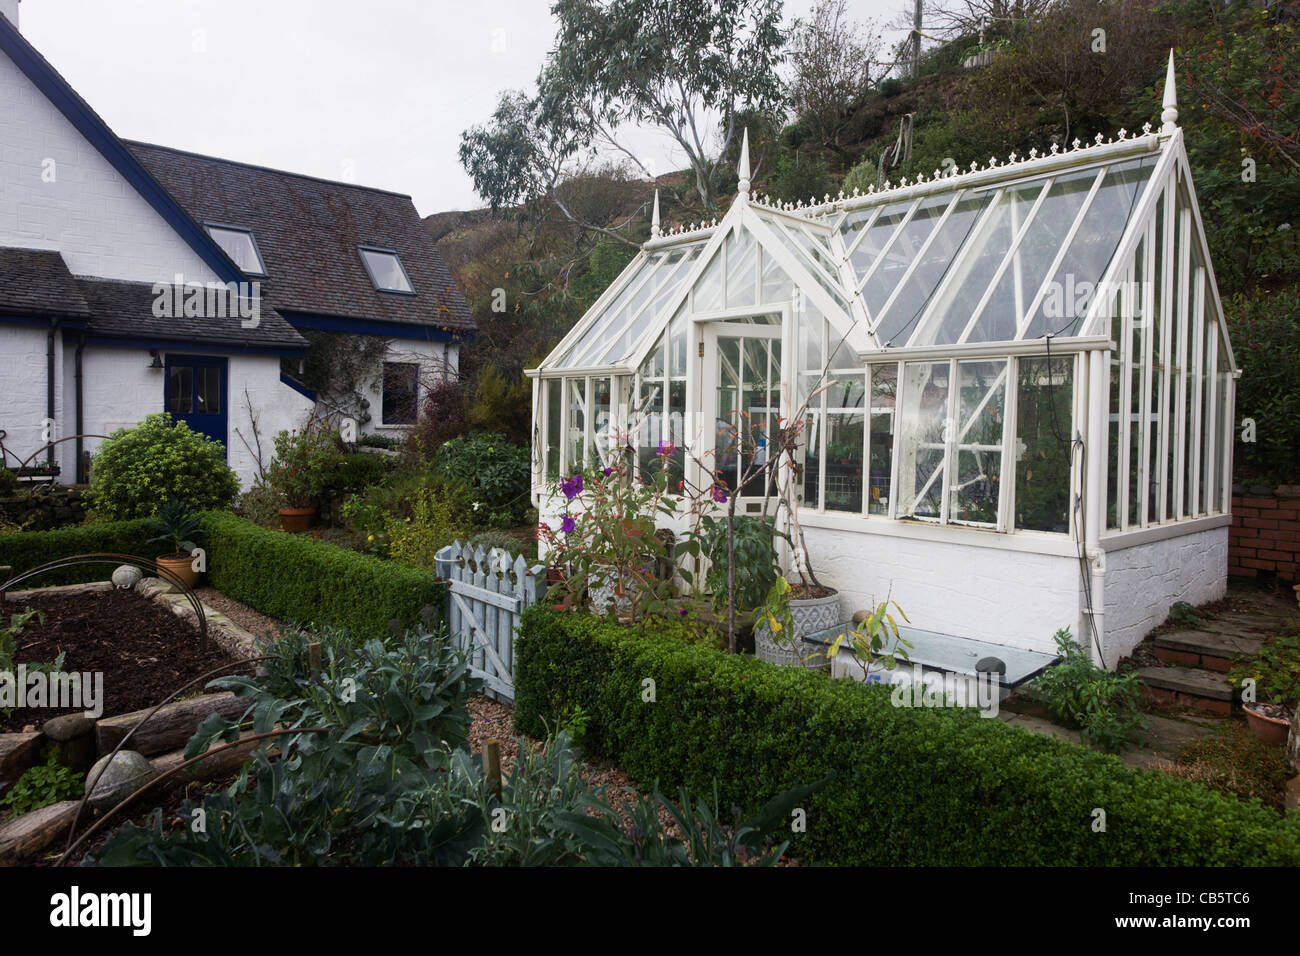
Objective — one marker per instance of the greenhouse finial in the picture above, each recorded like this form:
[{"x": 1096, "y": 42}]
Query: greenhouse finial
[
  {"x": 654, "y": 218},
  {"x": 1169, "y": 116},
  {"x": 742, "y": 187}
]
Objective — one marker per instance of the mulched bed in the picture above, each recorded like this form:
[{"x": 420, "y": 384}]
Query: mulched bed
[{"x": 144, "y": 651}]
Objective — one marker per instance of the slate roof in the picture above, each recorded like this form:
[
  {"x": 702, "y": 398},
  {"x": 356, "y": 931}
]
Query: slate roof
[
  {"x": 308, "y": 231},
  {"x": 37, "y": 282},
  {"x": 125, "y": 309}
]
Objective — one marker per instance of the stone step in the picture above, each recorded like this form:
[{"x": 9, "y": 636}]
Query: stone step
[
  {"x": 1213, "y": 650},
  {"x": 1189, "y": 687},
  {"x": 1238, "y": 621}
]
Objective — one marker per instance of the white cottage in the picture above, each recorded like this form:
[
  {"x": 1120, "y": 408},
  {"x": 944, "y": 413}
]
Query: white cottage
[
  {"x": 1028, "y": 419},
  {"x": 104, "y": 244}
]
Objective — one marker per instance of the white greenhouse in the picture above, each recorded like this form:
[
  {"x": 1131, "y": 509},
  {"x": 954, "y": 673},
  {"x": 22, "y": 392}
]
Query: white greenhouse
[{"x": 1021, "y": 376}]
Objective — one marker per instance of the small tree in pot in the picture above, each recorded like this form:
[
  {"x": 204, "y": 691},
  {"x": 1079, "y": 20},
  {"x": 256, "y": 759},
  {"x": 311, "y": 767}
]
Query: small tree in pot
[
  {"x": 178, "y": 524},
  {"x": 304, "y": 462}
]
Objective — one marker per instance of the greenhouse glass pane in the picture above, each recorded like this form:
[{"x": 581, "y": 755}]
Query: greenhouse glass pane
[
  {"x": 922, "y": 448},
  {"x": 677, "y": 339},
  {"x": 647, "y": 421},
  {"x": 980, "y": 258},
  {"x": 777, "y": 286},
  {"x": 845, "y": 437},
  {"x": 1158, "y": 414},
  {"x": 576, "y": 424},
  {"x": 812, "y": 468},
  {"x": 1114, "y": 418},
  {"x": 606, "y": 324},
  {"x": 554, "y": 417},
  {"x": 812, "y": 329},
  {"x": 900, "y": 318},
  {"x": 1015, "y": 291},
  {"x": 876, "y": 239},
  {"x": 708, "y": 290},
  {"x": 981, "y": 406},
  {"x": 742, "y": 270},
  {"x": 602, "y": 421},
  {"x": 725, "y": 457},
  {"x": 816, "y": 263},
  {"x": 1044, "y": 416},
  {"x": 1068, "y": 296},
  {"x": 666, "y": 283},
  {"x": 1137, "y": 363},
  {"x": 902, "y": 252},
  {"x": 884, "y": 388}
]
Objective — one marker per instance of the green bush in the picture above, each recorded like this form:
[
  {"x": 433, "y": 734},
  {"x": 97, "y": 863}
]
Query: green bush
[
  {"x": 800, "y": 178},
  {"x": 9, "y": 483},
  {"x": 297, "y": 578},
  {"x": 415, "y": 541},
  {"x": 137, "y": 469},
  {"x": 914, "y": 786},
  {"x": 44, "y": 785},
  {"x": 25, "y": 550},
  {"x": 1265, "y": 333},
  {"x": 1104, "y": 706},
  {"x": 497, "y": 471},
  {"x": 356, "y": 472},
  {"x": 861, "y": 177}
]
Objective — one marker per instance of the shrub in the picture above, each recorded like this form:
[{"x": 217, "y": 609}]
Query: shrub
[
  {"x": 1275, "y": 669},
  {"x": 137, "y": 469},
  {"x": 29, "y": 549},
  {"x": 297, "y": 578},
  {"x": 497, "y": 471},
  {"x": 861, "y": 177},
  {"x": 261, "y": 505},
  {"x": 442, "y": 418},
  {"x": 416, "y": 540},
  {"x": 914, "y": 786},
  {"x": 1101, "y": 704},
  {"x": 304, "y": 464},
  {"x": 1265, "y": 333},
  {"x": 800, "y": 178},
  {"x": 8, "y": 483}
]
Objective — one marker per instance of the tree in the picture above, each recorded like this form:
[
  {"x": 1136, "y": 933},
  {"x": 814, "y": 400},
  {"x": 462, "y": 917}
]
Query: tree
[
  {"x": 832, "y": 61},
  {"x": 681, "y": 67}
]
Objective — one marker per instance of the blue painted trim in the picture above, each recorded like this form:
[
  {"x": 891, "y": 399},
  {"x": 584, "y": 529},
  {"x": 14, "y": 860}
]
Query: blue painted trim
[
  {"x": 217, "y": 348},
  {"x": 298, "y": 387},
  {"x": 96, "y": 131},
  {"x": 391, "y": 330},
  {"x": 43, "y": 322}
]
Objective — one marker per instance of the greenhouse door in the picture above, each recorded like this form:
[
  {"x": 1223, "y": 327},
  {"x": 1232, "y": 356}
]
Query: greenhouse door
[{"x": 742, "y": 404}]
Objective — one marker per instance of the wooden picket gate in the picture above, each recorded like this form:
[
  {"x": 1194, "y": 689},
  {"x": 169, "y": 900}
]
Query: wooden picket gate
[{"x": 487, "y": 590}]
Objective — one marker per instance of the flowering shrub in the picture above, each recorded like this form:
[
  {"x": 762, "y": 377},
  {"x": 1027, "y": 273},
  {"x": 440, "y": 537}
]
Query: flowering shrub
[{"x": 607, "y": 539}]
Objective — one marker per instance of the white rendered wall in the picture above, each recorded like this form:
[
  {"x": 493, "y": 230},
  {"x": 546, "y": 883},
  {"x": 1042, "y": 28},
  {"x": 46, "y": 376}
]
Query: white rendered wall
[
  {"x": 23, "y": 379},
  {"x": 120, "y": 390},
  {"x": 1143, "y": 581},
  {"x": 1005, "y": 597},
  {"x": 88, "y": 212},
  {"x": 437, "y": 360}
]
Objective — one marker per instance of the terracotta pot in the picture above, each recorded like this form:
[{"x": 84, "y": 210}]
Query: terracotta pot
[
  {"x": 1270, "y": 730},
  {"x": 296, "y": 520},
  {"x": 178, "y": 566}
]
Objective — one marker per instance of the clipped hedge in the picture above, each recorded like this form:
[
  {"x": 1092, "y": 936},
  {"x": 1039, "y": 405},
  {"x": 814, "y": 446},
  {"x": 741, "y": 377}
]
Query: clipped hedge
[
  {"x": 299, "y": 579},
  {"x": 913, "y": 786},
  {"x": 24, "y": 550}
]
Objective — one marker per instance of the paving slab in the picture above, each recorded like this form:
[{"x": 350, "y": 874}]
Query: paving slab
[
  {"x": 1170, "y": 736},
  {"x": 1212, "y": 643},
  {"x": 1188, "y": 680},
  {"x": 1037, "y": 725}
]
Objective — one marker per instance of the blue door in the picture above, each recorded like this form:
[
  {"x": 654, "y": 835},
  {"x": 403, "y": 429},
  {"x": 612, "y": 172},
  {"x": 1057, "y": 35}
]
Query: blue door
[{"x": 196, "y": 393}]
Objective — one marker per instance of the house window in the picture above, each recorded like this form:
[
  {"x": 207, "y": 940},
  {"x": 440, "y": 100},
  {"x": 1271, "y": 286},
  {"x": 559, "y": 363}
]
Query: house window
[
  {"x": 401, "y": 390},
  {"x": 386, "y": 270},
  {"x": 239, "y": 245}
]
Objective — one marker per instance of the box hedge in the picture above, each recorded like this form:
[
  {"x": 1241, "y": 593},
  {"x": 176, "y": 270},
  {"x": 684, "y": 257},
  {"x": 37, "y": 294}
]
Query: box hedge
[
  {"x": 913, "y": 786},
  {"x": 299, "y": 579},
  {"x": 24, "y": 550}
]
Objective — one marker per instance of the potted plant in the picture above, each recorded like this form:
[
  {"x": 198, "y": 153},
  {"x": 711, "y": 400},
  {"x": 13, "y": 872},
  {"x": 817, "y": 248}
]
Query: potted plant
[
  {"x": 1270, "y": 686},
  {"x": 177, "y": 524},
  {"x": 303, "y": 465}
]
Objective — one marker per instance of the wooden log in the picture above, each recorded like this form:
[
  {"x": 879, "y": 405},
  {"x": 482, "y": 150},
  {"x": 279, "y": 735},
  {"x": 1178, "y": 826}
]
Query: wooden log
[
  {"x": 492, "y": 764},
  {"x": 171, "y": 727},
  {"x": 28, "y": 835},
  {"x": 219, "y": 765},
  {"x": 18, "y": 752}
]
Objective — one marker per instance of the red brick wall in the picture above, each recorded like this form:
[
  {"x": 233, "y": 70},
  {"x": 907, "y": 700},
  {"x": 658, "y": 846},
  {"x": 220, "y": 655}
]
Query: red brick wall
[{"x": 1265, "y": 534}]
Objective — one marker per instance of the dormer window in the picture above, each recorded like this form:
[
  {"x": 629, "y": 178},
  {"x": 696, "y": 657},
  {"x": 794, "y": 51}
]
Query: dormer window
[
  {"x": 238, "y": 244},
  {"x": 386, "y": 270}
]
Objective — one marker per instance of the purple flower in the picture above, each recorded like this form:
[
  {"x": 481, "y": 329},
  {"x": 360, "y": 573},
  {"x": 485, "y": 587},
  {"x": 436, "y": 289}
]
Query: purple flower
[
  {"x": 607, "y": 471},
  {"x": 568, "y": 524},
  {"x": 681, "y": 611},
  {"x": 666, "y": 448},
  {"x": 719, "y": 494},
  {"x": 572, "y": 487}
]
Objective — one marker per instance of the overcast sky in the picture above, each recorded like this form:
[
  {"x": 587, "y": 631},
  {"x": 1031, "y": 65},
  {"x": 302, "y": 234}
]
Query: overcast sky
[{"x": 370, "y": 91}]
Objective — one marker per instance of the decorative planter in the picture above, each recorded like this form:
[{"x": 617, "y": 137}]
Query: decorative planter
[
  {"x": 1269, "y": 729},
  {"x": 810, "y": 616},
  {"x": 296, "y": 520},
  {"x": 178, "y": 566}
]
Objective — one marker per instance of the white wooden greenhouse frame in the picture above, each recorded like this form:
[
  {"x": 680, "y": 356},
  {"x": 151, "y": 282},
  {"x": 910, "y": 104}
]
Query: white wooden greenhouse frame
[{"x": 1028, "y": 419}]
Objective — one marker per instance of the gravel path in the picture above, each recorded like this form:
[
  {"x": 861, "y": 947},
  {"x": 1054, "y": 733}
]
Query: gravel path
[{"x": 257, "y": 624}]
